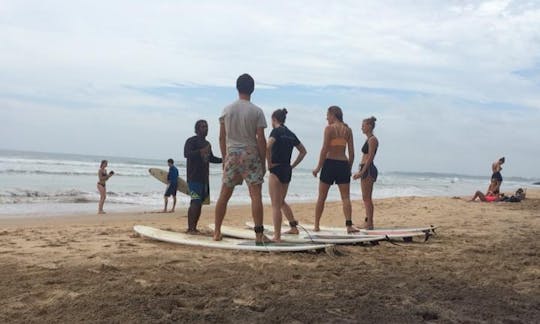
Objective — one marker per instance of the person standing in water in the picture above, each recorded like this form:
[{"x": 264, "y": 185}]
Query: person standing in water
[
  {"x": 198, "y": 153},
  {"x": 368, "y": 171},
  {"x": 278, "y": 154},
  {"x": 243, "y": 147},
  {"x": 103, "y": 176},
  {"x": 172, "y": 185},
  {"x": 335, "y": 165}
]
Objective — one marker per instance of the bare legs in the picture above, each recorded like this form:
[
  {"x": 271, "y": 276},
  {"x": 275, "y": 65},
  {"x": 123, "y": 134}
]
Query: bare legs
[
  {"x": 221, "y": 209},
  {"x": 319, "y": 208},
  {"x": 344, "y": 191},
  {"x": 256, "y": 209},
  {"x": 255, "y": 192},
  {"x": 194, "y": 213},
  {"x": 278, "y": 192},
  {"x": 166, "y": 199},
  {"x": 367, "y": 190},
  {"x": 102, "y": 196},
  {"x": 480, "y": 195}
]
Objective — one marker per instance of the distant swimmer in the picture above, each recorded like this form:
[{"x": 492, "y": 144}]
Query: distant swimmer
[
  {"x": 172, "y": 185},
  {"x": 496, "y": 177},
  {"x": 103, "y": 176},
  {"x": 335, "y": 165},
  {"x": 198, "y": 152},
  {"x": 368, "y": 171},
  {"x": 278, "y": 154}
]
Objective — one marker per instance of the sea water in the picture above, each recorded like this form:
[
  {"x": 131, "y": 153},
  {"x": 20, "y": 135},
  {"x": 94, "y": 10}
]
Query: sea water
[{"x": 33, "y": 183}]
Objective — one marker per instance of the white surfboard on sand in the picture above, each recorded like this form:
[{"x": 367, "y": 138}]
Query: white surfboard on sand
[
  {"x": 226, "y": 243},
  {"x": 316, "y": 237},
  {"x": 395, "y": 233},
  {"x": 161, "y": 175}
]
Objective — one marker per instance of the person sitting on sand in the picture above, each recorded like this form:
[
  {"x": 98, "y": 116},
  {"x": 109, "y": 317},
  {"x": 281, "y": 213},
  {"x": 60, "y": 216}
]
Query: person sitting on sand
[
  {"x": 368, "y": 171},
  {"x": 198, "y": 153},
  {"x": 243, "y": 147},
  {"x": 335, "y": 165},
  {"x": 488, "y": 197},
  {"x": 278, "y": 154},
  {"x": 103, "y": 176},
  {"x": 172, "y": 185}
]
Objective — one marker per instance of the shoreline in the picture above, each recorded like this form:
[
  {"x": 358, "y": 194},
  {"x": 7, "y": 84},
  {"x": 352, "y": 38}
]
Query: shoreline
[
  {"x": 120, "y": 208},
  {"x": 481, "y": 266}
]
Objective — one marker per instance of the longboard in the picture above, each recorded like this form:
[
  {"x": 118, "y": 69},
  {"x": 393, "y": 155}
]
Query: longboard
[
  {"x": 395, "y": 233},
  {"x": 161, "y": 175},
  {"x": 226, "y": 243},
  {"x": 303, "y": 237}
]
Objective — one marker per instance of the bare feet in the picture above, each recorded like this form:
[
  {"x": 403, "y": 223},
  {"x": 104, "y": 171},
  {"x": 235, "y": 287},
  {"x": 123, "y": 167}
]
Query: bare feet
[
  {"x": 101, "y": 212},
  {"x": 218, "y": 236},
  {"x": 193, "y": 232},
  {"x": 276, "y": 240},
  {"x": 171, "y": 211},
  {"x": 352, "y": 229},
  {"x": 293, "y": 230},
  {"x": 261, "y": 238}
]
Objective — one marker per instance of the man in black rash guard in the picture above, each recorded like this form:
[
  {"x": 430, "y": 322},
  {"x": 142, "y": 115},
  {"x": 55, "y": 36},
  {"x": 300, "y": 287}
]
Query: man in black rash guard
[{"x": 198, "y": 153}]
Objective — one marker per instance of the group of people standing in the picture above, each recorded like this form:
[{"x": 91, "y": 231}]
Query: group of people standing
[{"x": 247, "y": 154}]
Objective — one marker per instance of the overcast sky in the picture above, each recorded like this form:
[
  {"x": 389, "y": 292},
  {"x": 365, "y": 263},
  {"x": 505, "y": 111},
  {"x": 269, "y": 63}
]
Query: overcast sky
[{"x": 454, "y": 84}]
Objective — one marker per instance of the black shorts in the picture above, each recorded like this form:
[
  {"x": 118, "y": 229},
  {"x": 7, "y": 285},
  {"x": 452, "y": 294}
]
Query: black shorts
[
  {"x": 497, "y": 177},
  {"x": 371, "y": 172},
  {"x": 283, "y": 172},
  {"x": 171, "y": 190},
  {"x": 335, "y": 171}
]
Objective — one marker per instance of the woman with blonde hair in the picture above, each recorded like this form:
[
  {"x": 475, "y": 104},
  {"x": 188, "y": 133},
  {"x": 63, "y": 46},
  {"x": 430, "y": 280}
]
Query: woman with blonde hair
[
  {"x": 335, "y": 165},
  {"x": 368, "y": 171}
]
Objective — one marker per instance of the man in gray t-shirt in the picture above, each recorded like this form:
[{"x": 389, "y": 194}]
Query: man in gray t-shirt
[{"x": 243, "y": 147}]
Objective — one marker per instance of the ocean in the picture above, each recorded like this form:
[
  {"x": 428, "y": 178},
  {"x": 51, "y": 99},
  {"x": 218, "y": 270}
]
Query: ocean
[{"x": 33, "y": 183}]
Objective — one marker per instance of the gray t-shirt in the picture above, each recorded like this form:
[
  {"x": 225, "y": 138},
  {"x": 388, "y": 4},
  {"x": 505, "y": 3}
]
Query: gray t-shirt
[{"x": 241, "y": 119}]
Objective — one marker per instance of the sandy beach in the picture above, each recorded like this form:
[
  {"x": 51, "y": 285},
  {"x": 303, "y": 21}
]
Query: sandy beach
[{"x": 481, "y": 267}]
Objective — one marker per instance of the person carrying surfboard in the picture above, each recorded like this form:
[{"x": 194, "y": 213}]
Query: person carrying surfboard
[
  {"x": 243, "y": 147},
  {"x": 198, "y": 154},
  {"x": 172, "y": 185},
  {"x": 279, "y": 150}
]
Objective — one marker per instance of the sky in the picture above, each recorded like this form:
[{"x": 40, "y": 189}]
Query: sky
[{"x": 454, "y": 85}]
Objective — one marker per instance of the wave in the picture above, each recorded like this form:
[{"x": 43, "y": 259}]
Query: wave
[
  {"x": 28, "y": 196},
  {"x": 71, "y": 173}
]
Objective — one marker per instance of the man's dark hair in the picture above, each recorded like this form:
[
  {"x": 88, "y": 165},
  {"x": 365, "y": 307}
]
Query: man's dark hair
[
  {"x": 198, "y": 123},
  {"x": 171, "y": 161},
  {"x": 245, "y": 84}
]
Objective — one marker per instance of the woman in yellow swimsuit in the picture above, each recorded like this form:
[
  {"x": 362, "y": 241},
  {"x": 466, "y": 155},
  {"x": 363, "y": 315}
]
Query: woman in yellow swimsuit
[{"x": 335, "y": 165}]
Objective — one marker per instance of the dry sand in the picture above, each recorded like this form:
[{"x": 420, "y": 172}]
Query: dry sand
[{"x": 482, "y": 267}]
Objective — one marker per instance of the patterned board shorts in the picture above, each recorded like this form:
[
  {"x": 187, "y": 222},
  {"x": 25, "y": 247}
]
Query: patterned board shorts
[{"x": 242, "y": 164}]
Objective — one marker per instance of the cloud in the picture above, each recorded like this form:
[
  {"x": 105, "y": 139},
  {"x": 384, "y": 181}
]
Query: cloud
[{"x": 437, "y": 74}]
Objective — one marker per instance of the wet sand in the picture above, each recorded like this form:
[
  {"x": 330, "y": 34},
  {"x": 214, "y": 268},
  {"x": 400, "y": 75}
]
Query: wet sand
[{"x": 483, "y": 266}]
